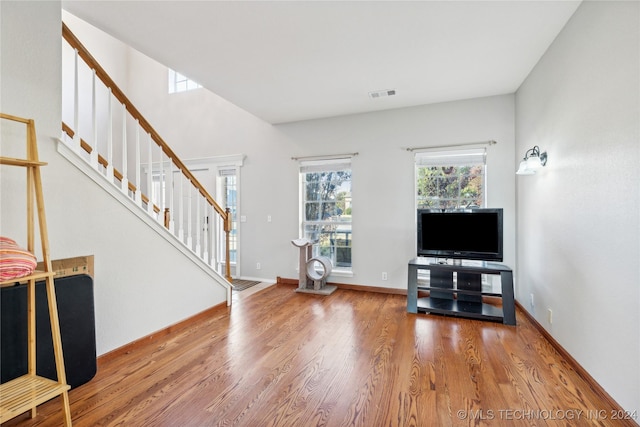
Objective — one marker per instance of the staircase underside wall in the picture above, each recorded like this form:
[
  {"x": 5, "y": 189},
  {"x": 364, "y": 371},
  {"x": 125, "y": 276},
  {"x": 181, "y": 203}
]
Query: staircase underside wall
[{"x": 142, "y": 282}]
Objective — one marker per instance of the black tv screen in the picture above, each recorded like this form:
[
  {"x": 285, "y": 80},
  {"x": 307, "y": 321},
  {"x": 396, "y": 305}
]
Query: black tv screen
[{"x": 474, "y": 234}]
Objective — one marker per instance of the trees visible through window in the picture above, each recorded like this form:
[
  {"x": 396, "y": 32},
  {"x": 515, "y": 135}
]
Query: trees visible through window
[
  {"x": 326, "y": 209},
  {"x": 451, "y": 179}
]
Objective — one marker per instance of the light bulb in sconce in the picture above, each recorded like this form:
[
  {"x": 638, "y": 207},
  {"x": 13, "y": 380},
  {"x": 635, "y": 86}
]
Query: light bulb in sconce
[{"x": 533, "y": 161}]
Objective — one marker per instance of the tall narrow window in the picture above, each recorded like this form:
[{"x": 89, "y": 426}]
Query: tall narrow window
[
  {"x": 326, "y": 209},
  {"x": 220, "y": 176},
  {"x": 228, "y": 190},
  {"x": 451, "y": 179},
  {"x": 180, "y": 83}
]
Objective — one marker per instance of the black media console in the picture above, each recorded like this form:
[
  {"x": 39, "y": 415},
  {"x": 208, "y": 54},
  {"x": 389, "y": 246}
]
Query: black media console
[{"x": 465, "y": 298}]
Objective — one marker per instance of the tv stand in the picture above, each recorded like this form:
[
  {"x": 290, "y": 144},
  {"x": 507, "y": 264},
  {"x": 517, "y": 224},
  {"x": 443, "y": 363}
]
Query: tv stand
[{"x": 465, "y": 299}]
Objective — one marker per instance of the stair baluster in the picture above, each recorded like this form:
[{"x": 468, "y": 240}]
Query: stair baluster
[{"x": 154, "y": 196}]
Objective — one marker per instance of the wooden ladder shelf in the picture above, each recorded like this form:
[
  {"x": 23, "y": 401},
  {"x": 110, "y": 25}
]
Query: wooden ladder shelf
[{"x": 30, "y": 390}]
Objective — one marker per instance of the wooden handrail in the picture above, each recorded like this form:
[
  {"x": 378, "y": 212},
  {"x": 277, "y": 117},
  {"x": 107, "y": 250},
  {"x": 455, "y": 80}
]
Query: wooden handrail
[
  {"x": 144, "y": 124},
  {"x": 120, "y": 96}
]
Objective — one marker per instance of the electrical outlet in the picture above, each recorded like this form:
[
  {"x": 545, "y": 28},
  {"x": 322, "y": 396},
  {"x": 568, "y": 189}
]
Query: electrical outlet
[
  {"x": 384, "y": 275},
  {"x": 268, "y": 218},
  {"x": 550, "y": 316},
  {"x": 258, "y": 266}
]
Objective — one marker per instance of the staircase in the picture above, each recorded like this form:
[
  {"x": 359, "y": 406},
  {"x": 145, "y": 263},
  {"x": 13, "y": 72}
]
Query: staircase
[{"x": 116, "y": 146}]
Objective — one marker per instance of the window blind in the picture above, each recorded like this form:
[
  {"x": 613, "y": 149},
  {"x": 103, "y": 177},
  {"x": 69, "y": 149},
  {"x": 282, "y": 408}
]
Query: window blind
[
  {"x": 329, "y": 165},
  {"x": 451, "y": 157}
]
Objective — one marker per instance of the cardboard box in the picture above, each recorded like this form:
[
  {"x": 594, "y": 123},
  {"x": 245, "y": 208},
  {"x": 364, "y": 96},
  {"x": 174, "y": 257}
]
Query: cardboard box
[{"x": 71, "y": 266}]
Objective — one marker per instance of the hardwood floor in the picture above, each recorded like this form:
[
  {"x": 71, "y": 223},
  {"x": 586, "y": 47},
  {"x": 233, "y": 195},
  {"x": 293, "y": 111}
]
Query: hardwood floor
[{"x": 281, "y": 358}]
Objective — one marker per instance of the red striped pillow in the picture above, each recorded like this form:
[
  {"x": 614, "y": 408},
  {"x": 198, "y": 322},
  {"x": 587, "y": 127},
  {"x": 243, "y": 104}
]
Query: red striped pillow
[{"x": 15, "y": 262}]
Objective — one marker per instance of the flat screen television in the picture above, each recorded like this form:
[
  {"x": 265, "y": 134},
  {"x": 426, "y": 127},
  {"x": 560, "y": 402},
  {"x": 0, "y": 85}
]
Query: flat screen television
[{"x": 474, "y": 234}]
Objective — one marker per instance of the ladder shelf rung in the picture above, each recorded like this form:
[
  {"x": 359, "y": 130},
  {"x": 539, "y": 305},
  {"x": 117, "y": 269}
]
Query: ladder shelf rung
[
  {"x": 33, "y": 276},
  {"x": 20, "y": 162},
  {"x": 27, "y": 392}
]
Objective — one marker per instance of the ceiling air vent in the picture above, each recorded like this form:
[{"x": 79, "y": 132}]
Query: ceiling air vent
[{"x": 382, "y": 93}]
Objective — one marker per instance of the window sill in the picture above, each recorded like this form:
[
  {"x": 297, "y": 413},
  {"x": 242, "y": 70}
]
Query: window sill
[
  {"x": 335, "y": 272},
  {"x": 341, "y": 273}
]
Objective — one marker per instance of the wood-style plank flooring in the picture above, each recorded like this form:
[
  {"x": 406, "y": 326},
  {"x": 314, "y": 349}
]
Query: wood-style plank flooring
[{"x": 281, "y": 358}]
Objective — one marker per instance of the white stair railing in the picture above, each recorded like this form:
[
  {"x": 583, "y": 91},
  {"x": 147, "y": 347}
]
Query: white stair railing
[{"x": 149, "y": 172}]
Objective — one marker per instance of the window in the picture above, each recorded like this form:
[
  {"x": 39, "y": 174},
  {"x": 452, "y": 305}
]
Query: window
[
  {"x": 228, "y": 184},
  {"x": 326, "y": 209},
  {"x": 180, "y": 83},
  {"x": 220, "y": 175},
  {"x": 450, "y": 179}
]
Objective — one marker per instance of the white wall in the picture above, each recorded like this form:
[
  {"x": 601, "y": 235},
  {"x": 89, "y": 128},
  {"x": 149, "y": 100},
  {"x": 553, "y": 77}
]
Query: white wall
[
  {"x": 578, "y": 224},
  {"x": 577, "y": 230},
  {"x": 109, "y": 52},
  {"x": 201, "y": 124},
  {"x": 111, "y": 55},
  {"x": 198, "y": 124},
  {"x": 579, "y": 219},
  {"x": 384, "y": 178},
  {"x": 142, "y": 284}
]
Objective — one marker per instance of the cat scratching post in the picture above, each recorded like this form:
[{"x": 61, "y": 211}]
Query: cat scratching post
[{"x": 312, "y": 281}]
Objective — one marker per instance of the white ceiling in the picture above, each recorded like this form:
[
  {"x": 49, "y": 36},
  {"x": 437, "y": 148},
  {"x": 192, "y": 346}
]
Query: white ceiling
[{"x": 295, "y": 60}]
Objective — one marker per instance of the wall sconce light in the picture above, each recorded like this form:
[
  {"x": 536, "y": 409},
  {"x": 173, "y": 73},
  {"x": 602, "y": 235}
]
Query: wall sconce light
[{"x": 533, "y": 160}]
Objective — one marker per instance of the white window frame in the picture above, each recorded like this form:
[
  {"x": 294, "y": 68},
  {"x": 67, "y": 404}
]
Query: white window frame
[
  {"x": 451, "y": 158},
  {"x": 180, "y": 83},
  {"x": 327, "y": 165},
  {"x": 446, "y": 158},
  {"x": 234, "y": 240},
  {"x": 215, "y": 164}
]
